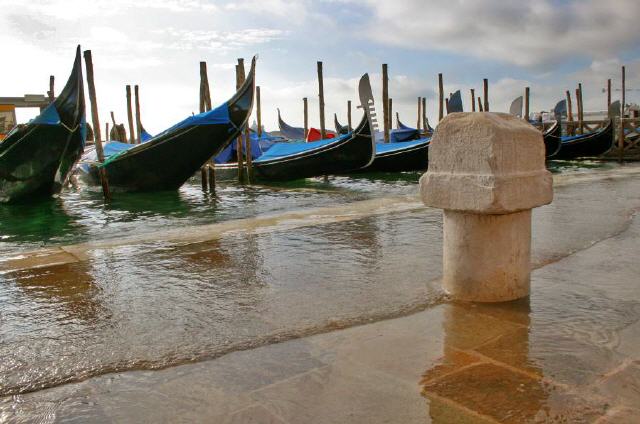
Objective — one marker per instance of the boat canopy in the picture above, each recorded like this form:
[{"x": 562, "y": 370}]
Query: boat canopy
[{"x": 279, "y": 150}]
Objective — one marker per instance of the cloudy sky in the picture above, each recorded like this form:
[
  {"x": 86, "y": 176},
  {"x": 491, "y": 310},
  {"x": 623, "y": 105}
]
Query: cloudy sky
[{"x": 550, "y": 45}]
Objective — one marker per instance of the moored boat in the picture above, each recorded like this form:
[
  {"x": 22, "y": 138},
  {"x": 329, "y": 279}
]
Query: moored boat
[
  {"x": 167, "y": 160},
  {"x": 552, "y": 140},
  {"x": 592, "y": 144},
  {"x": 354, "y": 150},
  {"x": 292, "y": 133},
  {"x": 36, "y": 159}
]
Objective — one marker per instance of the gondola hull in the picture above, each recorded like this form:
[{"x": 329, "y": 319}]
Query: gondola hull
[
  {"x": 587, "y": 145},
  {"x": 169, "y": 159},
  {"x": 552, "y": 140},
  {"x": 414, "y": 158},
  {"x": 341, "y": 157},
  {"x": 37, "y": 158}
]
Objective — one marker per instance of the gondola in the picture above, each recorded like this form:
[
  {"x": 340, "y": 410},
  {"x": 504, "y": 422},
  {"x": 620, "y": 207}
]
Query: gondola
[
  {"x": 36, "y": 159},
  {"x": 551, "y": 139},
  {"x": 168, "y": 159},
  {"x": 291, "y": 161},
  {"x": 592, "y": 144},
  {"x": 395, "y": 136},
  {"x": 402, "y": 126},
  {"x": 292, "y": 133},
  {"x": 400, "y": 156}
]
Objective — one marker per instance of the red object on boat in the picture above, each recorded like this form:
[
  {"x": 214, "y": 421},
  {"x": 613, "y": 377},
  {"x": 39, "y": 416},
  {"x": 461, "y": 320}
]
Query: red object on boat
[{"x": 315, "y": 135}]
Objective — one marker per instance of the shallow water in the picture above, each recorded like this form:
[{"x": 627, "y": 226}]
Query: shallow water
[{"x": 153, "y": 305}]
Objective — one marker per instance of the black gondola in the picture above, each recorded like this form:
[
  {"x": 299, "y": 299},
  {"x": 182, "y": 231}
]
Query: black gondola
[
  {"x": 402, "y": 126},
  {"x": 592, "y": 144},
  {"x": 168, "y": 159},
  {"x": 36, "y": 159},
  {"x": 401, "y": 156},
  {"x": 340, "y": 129},
  {"x": 292, "y": 133},
  {"x": 291, "y": 161},
  {"x": 552, "y": 139}
]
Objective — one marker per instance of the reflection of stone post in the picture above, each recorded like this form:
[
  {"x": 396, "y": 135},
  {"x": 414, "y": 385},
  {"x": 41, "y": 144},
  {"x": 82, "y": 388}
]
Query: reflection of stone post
[{"x": 487, "y": 171}]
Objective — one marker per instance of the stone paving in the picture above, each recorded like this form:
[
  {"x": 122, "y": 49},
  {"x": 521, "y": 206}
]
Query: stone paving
[{"x": 568, "y": 354}]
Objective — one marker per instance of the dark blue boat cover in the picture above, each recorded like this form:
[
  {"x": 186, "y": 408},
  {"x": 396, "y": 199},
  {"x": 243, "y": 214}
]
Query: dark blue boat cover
[
  {"x": 49, "y": 116},
  {"x": 400, "y": 145},
  {"x": 217, "y": 116},
  {"x": 259, "y": 145},
  {"x": 145, "y": 136},
  {"x": 279, "y": 150}
]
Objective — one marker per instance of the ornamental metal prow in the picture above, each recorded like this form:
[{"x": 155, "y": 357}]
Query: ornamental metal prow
[{"x": 367, "y": 103}]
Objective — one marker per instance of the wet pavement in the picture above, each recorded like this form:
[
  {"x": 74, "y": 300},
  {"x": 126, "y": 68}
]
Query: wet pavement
[{"x": 569, "y": 353}]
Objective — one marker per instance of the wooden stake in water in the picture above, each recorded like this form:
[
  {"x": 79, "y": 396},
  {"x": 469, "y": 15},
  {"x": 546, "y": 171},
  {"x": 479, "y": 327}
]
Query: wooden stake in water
[
  {"x": 349, "y": 115},
  {"x": 526, "y": 103},
  {"x": 51, "y": 93},
  {"x": 440, "y": 98},
  {"x": 106, "y": 129},
  {"x": 622, "y": 102},
  {"x": 258, "y": 111},
  {"x": 480, "y": 109},
  {"x": 424, "y": 114},
  {"x": 385, "y": 101},
  {"x": 132, "y": 134},
  {"x": 419, "y": 113},
  {"x": 485, "y": 85},
  {"x": 138, "y": 124},
  {"x": 96, "y": 124},
  {"x": 570, "y": 128},
  {"x": 608, "y": 93},
  {"x": 446, "y": 102},
  {"x": 305, "y": 106},
  {"x": 239, "y": 72},
  {"x": 323, "y": 134},
  {"x": 473, "y": 100}
]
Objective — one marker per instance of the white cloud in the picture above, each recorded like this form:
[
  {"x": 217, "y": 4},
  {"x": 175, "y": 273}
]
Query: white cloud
[
  {"x": 523, "y": 33},
  {"x": 184, "y": 39}
]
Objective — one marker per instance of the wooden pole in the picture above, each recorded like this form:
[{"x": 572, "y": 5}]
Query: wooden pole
[
  {"x": 349, "y": 114},
  {"x": 211, "y": 173},
  {"x": 204, "y": 178},
  {"x": 239, "y": 139},
  {"x": 88, "y": 61},
  {"x": 473, "y": 100},
  {"x": 440, "y": 98},
  {"x": 132, "y": 134},
  {"x": 51, "y": 93},
  {"x": 424, "y": 114},
  {"x": 526, "y": 104},
  {"x": 106, "y": 129},
  {"x": 485, "y": 85},
  {"x": 608, "y": 94},
  {"x": 622, "y": 102},
  {"x": 258, "y": 111},
  {"x": 390, "y": 114},
  {"x": 419, "y": 113},
  {"x": 321, "y": 98},
  {"x": 446, "y": 102},
  {"x": 480, "y": 104},
  {"x": 569, "y": 114},
  {"x": 385, "y": 101},
  {"x": 305, "y": 107},
  {"x": 138, "y": 124}
]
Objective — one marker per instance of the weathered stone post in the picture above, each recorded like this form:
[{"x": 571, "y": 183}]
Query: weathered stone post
[{"x": 487, "y": 171}]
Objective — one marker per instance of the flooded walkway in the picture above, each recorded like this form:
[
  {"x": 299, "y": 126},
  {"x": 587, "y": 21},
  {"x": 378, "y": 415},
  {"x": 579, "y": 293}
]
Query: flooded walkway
[{"x": 333, "y": 321}]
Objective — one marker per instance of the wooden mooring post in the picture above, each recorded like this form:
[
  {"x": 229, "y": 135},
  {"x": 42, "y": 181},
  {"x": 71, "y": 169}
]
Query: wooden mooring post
[
  {"x": 526, "y": 103},
  {"x": 608, "y": 94},
  {"x": 239, "y": 143},
  {"x": 305, "y": 106},
  {"x": 419, "y": 114},
  {"x": 424, "y": 114},
  {"x": 106, "y": 129},
  {"x": 51, "y": 93},
  {"x": 246, "y": 137},
  {"x": 88, "y": 61},
  {"x": 258, "y": 111},
  {"x": 440, "y": 98},
  {"x": 485, "y": 86},
  {"x": 622, "y": 102},
  {"x": 390, "y": 120},
  {"x": 138, "y": 123},
  {"x": 132, "y": 134},
  {"x": 579, "y": 107},
  {"x": 385, "y": 101},
  {"x": 446, "y": 103},
  {"x": 480, "y": 109},
  {"x": 349, "y": 114},
  {"x": 570, "y": 128},
  {"x": 323, "y": 130},
  {"x": 473, "y": 100}
]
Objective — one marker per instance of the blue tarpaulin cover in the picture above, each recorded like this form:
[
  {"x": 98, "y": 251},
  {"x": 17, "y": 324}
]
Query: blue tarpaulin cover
[
  {"x": 49, "y": 116},
  {"x": 219, "y": 115},
  {"x": 259, "y": 145},
  {"x": 390, "y": 147},
  {"x": 279, "y": 150}
]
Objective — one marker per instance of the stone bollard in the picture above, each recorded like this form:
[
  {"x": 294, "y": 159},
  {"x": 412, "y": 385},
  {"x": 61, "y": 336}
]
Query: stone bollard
[{"x": 487, "y": 171}]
